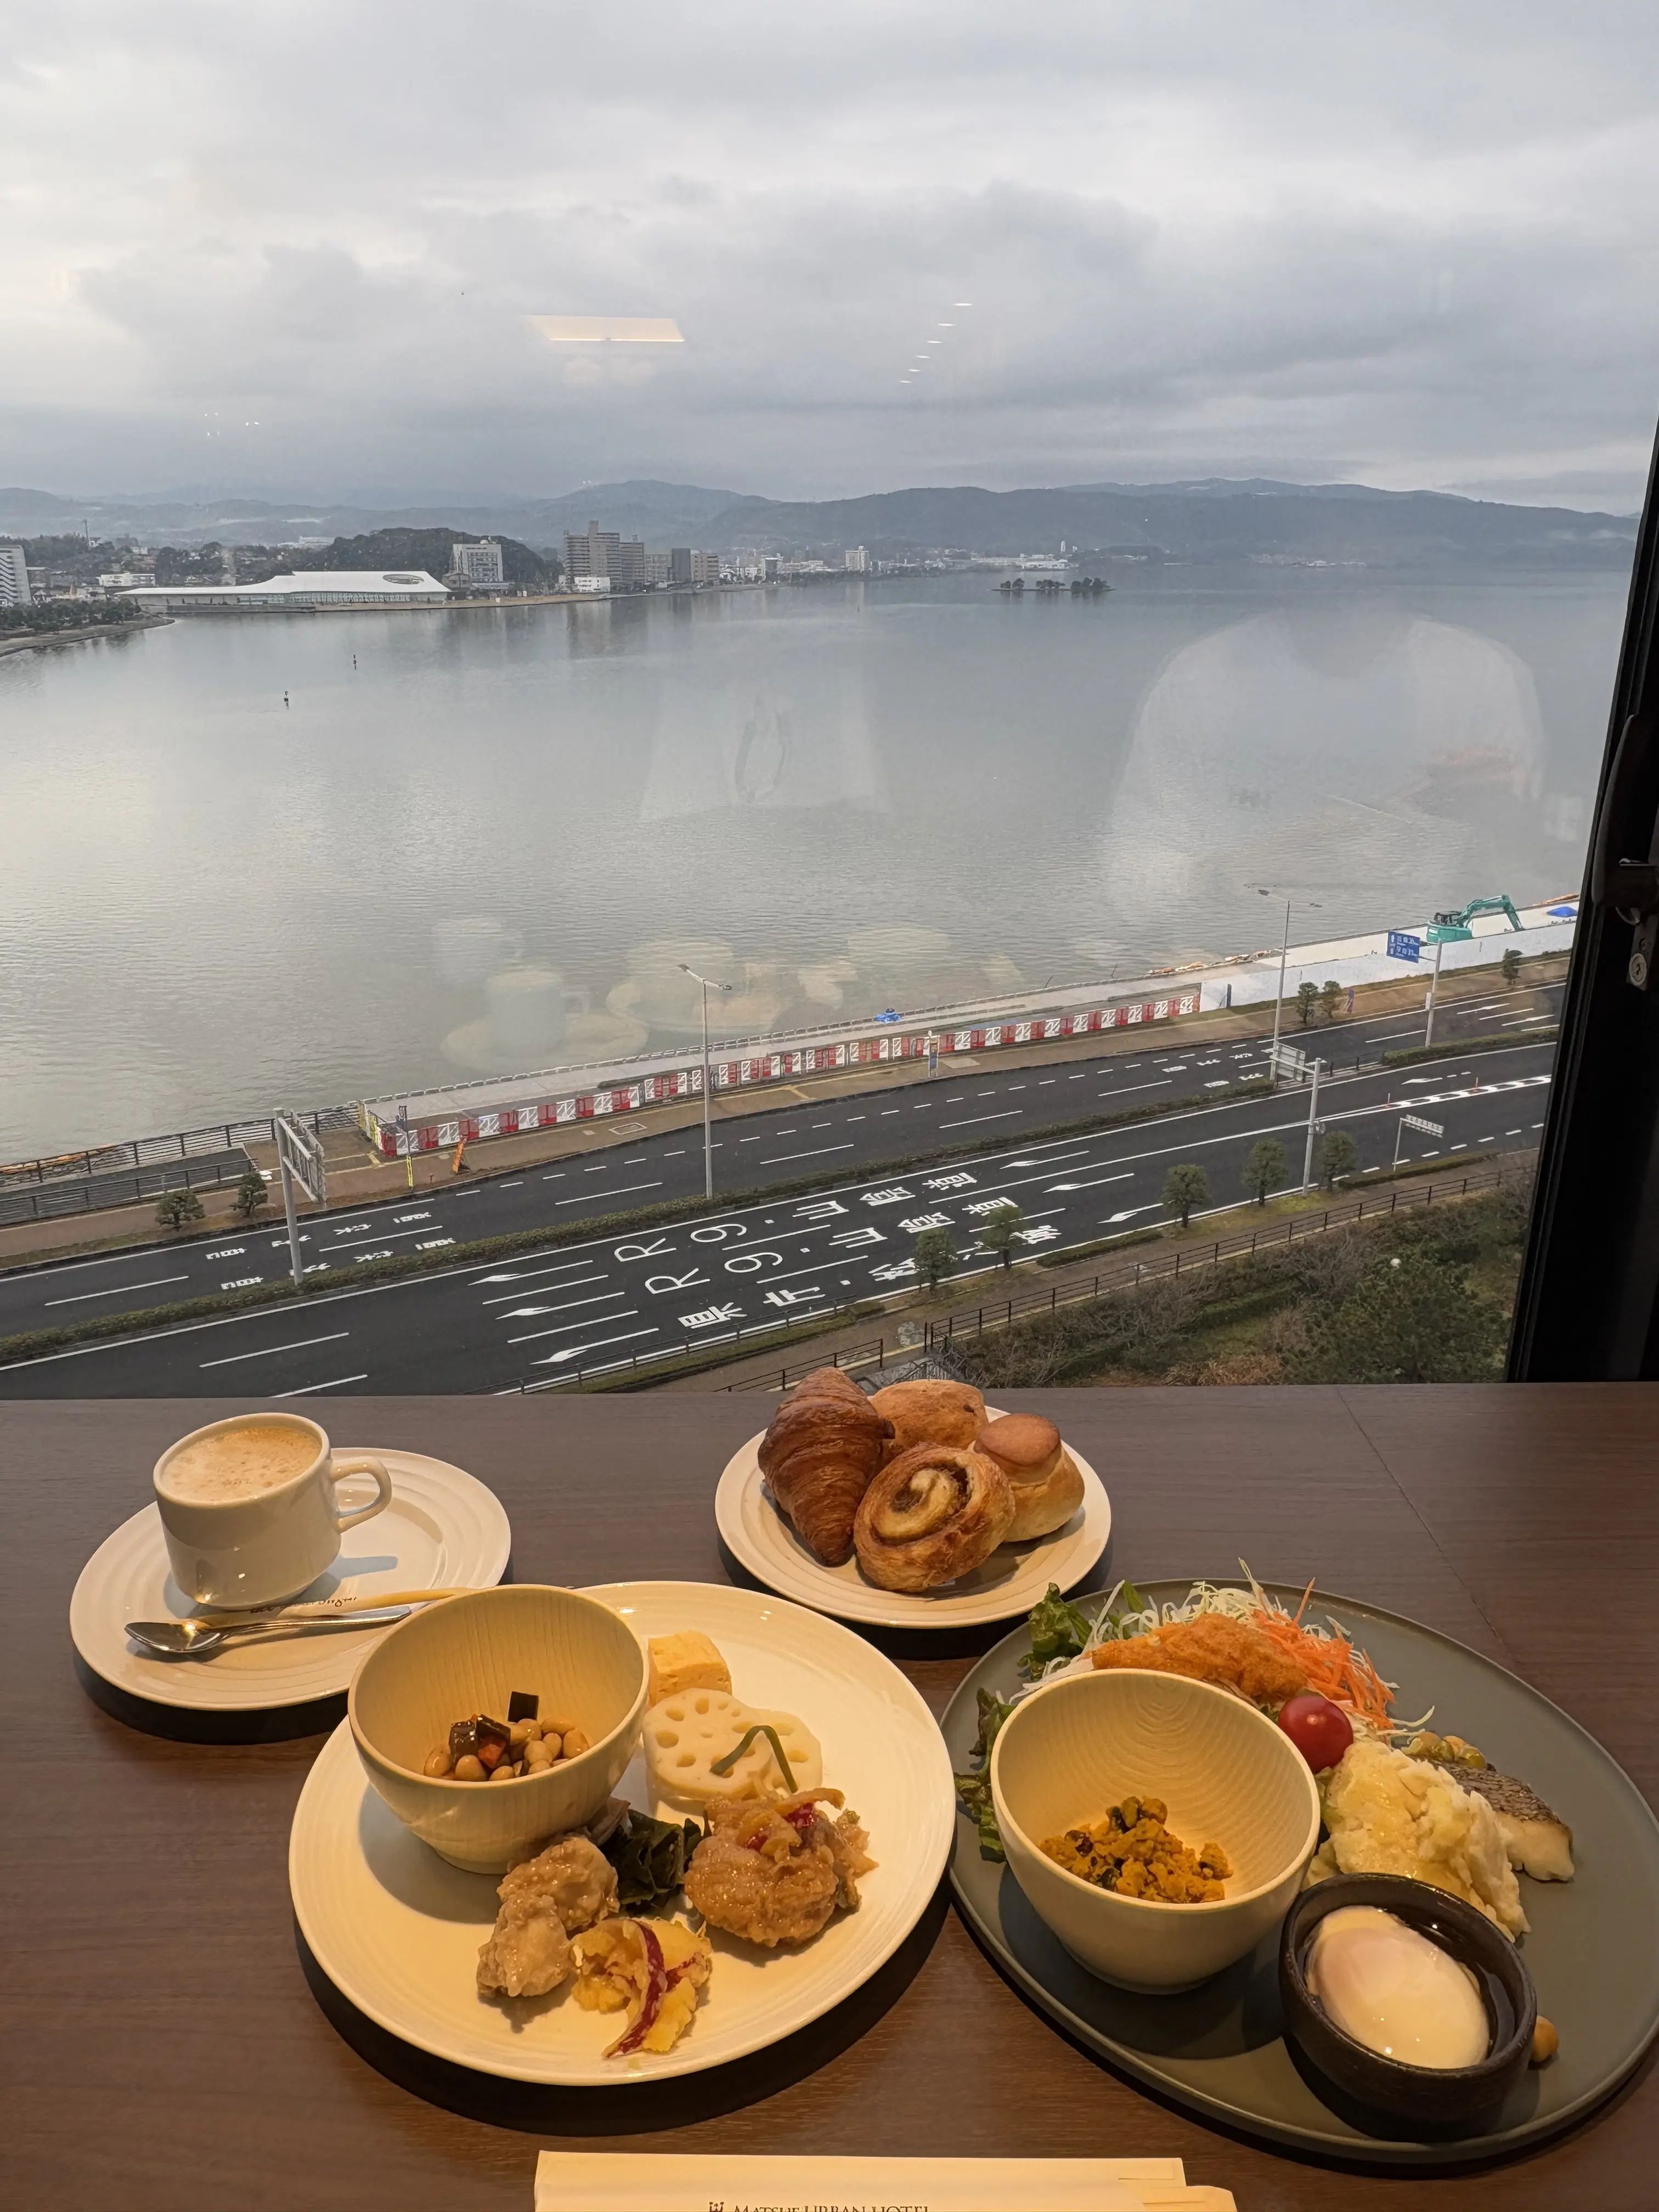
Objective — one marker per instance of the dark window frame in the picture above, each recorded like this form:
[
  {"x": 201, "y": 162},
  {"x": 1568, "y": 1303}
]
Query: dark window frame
[{"x": 1587, "y": 1307}]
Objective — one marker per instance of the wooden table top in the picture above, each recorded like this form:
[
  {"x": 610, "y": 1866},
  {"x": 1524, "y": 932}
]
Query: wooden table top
[{"x": 158, "y": 2039}]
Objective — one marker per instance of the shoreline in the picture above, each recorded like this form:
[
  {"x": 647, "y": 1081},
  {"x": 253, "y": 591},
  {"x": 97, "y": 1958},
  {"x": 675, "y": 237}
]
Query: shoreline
[{"x": 27, "y": 643}]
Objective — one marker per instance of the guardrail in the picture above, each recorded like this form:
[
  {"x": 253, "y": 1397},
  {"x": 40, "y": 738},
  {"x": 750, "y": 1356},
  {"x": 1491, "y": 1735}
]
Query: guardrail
[
  {"x": 162, "y": 1151},
  {"x": 1000, "y": 1313}
]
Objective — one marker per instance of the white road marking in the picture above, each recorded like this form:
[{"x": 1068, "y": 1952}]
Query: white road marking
[
  {"x": 621, "y": 1191},
  {"x": 776, "y": 1159},
  {"x": 533, "y": 1312},
  {"x": 968, "y": 1120},
  {"x": 1123, "y": 1090},
  {"x": 575, "y": 1351},
  {"x": 271, "y": 1350},
  {"x": 563, "y": 1328},
  {"x": 154, "y": 1283},
  {"x": 309, "y": 1390}
]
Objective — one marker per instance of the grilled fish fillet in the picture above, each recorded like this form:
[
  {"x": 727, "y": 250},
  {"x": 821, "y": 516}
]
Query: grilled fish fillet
[{"x": 1537, "y": 1842}]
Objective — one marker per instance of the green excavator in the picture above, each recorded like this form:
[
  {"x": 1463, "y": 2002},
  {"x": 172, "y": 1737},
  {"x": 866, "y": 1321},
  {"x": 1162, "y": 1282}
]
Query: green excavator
[{"x": 1449, "y": 928}]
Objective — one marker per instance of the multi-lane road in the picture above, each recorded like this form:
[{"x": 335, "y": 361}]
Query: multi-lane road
[{"x": 489, "y": 1325}]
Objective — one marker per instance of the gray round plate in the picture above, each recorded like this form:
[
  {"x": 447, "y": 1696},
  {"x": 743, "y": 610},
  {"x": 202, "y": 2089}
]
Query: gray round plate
[{"x": 1218, "y": 2049}]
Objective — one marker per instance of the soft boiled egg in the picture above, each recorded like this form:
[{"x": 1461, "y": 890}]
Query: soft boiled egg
[{"x": 1395, "y": 1991}]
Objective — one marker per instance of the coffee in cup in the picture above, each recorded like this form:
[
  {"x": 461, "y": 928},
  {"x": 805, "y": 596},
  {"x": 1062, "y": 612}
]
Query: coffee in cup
[{"x": 249, "y": 1507}]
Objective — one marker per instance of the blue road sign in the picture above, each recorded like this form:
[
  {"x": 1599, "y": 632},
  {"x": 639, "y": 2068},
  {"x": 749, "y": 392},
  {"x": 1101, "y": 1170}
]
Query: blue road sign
[{"x": 1402, "y": 945}]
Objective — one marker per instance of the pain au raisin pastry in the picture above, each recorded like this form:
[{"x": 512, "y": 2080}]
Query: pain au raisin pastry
[
  {"x": 932, "y": 1516},
  {"x": 930, "y": 1414},
  {"x": 1047, "y": 1486},
  {"x": 826, "y": 1442}
]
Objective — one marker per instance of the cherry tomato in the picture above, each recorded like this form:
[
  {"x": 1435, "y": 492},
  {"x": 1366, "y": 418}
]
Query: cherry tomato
[{"x": 1320, "y": 1730}]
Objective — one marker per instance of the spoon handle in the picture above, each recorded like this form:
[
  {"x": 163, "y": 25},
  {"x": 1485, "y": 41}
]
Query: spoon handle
[{"x": 327, "y": 1608}]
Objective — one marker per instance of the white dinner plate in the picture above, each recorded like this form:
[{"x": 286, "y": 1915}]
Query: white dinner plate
[
  {"x": 443, "y": 1527},
  {"x": 397, "y": 1930},
  {"x": 1011, "y": 1581}
]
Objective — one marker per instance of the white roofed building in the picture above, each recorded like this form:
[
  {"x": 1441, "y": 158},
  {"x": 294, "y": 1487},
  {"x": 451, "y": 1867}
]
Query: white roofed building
[{"x": 306, "y": 589}]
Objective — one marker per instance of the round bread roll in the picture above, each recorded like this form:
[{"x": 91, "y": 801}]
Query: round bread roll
[
  {"x": 1041, "y": 1473},
  {"x": 929, "y": 1413},
  {"x": 932, "y": 1516}
]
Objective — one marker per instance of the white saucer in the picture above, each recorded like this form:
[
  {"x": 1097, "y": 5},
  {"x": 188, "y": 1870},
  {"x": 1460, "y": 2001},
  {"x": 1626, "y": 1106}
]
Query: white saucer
[
  {"x": 397, "y": 1930},
  {"x": 1011, "y": 1581},
  {"x": 442, "y": 1527}
]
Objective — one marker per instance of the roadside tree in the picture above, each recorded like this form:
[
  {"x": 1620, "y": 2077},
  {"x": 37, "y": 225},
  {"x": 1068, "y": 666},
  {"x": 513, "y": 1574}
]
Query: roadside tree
[
  {"x": 1264, "y": 1170},
  {"x": 1000, "y": 1232},
  {"x": 1330, "y": 997},
  {"x": 1185, "y": 1186},
  {"x": 1337, "y": 1155},
  {"x": 1306, "y": 994},
  {"x": 251, "y": 1196},
  {"x": 1510, "y": 966},
  {"x": 935, "y": 1250},
  {"x": 175, "y": 1209}
]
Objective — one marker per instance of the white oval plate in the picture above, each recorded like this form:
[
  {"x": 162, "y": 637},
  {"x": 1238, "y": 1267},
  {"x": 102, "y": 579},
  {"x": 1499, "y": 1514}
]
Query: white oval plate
[
  {"x": 397, "y": 1930},
  {"x": 1011, "y": 1581},
  {"x": 442, "y": 1528}
]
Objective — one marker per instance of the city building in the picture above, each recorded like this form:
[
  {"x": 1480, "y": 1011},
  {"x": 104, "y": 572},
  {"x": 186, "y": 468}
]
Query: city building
[
  {"x": 857, "y": 560},
  {"x": 659, "y": 570},
  {"x": 596, "y": 552},
  {"x": 590, "y": 552},
  {"x": 689, "y": 567},
  {"x": 14, "y": 577},
  {"x": 298, "y": 594},
  {"x": 598, "y": 586},
  {"x": 478, "y": 565}
]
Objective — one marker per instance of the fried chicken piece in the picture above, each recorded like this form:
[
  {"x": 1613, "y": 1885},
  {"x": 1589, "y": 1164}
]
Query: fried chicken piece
[
  {"x": 1212, "y": 1649},
  {"x": 543, "y": 1902},
  {"x": 773, "y": 1870},
  {"x": 571, "y": 1877},
  {"x": 528, "y": 1953}
]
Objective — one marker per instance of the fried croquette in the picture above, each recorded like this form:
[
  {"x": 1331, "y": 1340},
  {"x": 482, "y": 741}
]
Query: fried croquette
[{"x": 1212, "y": 1649}]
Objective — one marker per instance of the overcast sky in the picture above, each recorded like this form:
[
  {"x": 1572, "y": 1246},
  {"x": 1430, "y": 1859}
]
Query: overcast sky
[{"x": 291, "y": 246}]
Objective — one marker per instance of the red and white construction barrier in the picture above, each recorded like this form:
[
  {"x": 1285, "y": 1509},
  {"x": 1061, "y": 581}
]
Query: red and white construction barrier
[{"x": 422, "y": 1133}]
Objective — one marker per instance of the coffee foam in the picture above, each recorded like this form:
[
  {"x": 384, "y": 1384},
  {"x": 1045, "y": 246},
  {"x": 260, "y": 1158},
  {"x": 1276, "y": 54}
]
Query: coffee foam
[{"x": 230, "y": 1465}]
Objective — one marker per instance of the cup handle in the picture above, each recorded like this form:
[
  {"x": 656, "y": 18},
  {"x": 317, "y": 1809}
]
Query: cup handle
[{"x": 346, "y": 1463}]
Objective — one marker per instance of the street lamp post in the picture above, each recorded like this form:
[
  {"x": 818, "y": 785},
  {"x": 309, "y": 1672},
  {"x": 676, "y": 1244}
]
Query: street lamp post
[
  {"x": 708, "y": 1135},
  {"x": 1264, "y": 891},
  {"x": 1434, "y": 993},
  {"x": 1313, "y": 1125}
]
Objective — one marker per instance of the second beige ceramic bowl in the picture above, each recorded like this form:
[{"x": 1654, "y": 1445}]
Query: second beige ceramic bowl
[
  {"x": 467, "y": 1655},
  {"x": 1228, "y": 1775}
]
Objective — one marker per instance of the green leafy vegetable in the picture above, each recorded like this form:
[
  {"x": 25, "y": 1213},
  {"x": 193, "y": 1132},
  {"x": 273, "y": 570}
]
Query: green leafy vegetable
[
  {"x": 975, "y": 1790},
  {"x": 650, "y": 1857},
  {"x": 1058, "y": 1631}
]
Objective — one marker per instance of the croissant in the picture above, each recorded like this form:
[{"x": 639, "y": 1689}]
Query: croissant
[
  {"x": 826, "y": 1442},
  {"x": 932, "y": 1516}
]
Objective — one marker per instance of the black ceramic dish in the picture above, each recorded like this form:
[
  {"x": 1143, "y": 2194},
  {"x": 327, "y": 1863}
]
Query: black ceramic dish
[{"x": 1450, "y": 2100}]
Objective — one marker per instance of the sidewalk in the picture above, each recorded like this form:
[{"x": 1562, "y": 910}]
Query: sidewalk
[{"x": 357, "y": 1176}]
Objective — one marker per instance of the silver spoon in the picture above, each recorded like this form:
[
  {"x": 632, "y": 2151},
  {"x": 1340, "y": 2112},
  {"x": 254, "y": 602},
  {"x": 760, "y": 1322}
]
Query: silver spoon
[{"x": 190, "y": 1640}]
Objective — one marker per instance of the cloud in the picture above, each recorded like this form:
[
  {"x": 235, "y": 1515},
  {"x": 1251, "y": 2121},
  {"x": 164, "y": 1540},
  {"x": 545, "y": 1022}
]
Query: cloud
[{"x": 300, "y": 245}]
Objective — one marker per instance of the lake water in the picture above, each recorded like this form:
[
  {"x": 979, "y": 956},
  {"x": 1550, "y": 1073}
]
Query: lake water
[{"x": 479, "y": 841}]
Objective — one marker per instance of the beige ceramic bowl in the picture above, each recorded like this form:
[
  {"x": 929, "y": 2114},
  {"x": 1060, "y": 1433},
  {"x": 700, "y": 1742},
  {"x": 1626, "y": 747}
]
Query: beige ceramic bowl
[
  {"x": 1229, "y": 1776},
  {"x": 467, "y": 1655}
]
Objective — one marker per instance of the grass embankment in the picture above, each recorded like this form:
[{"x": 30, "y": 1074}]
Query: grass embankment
[
  {"x": 34, "y": 1343},
  {"x": 1418, "y": 1297}
]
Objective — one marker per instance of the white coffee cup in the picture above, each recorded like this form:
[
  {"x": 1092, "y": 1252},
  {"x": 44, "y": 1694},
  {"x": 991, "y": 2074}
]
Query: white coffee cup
[{"x": 248, "y": 1508}]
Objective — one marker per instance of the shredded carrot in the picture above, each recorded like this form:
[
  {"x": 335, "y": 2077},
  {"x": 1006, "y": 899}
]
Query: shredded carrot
[{"x": 1331, "y": 1664}]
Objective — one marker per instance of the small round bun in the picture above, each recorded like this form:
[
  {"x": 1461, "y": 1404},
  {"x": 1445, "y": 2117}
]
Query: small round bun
[
  {"x": 1024, "y": 1445},
  {"x": 1041, "y": 1473},
  {"x": 932, "y": 1412}
]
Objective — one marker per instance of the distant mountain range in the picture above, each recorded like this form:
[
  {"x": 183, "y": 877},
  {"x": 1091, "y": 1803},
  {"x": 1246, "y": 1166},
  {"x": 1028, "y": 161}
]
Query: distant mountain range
[{"x": 1214, "y": 519}]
